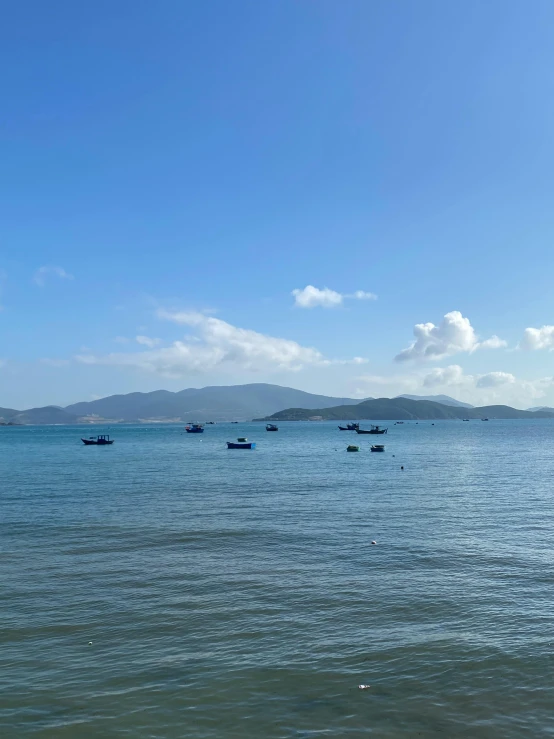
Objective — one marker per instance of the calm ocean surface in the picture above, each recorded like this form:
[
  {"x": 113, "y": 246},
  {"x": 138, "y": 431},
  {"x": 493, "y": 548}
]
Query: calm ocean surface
[{"x": 236, "y": 594}]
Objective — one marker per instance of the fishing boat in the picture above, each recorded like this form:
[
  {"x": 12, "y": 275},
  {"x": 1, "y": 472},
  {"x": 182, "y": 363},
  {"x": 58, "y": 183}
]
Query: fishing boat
[
  {"x": 465, "y": 419},
  {"x": 97, "y": 441},
  {"x": 484, "y": 419},
  {"x": 195, "y": 428},
  {"x": 352, "y": 448},
  {"x": 241, "y": 444},
  {"x": 377, "y": 448},
  {"x": 350, "y": 427},
  {"x": 271, "y": 427},
  {"x": 372, "y": 430}
]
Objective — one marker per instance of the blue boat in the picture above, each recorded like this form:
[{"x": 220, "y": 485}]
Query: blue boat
[
  {"x": 241, "y": 445},
  {"x": 195, "y": 428}
]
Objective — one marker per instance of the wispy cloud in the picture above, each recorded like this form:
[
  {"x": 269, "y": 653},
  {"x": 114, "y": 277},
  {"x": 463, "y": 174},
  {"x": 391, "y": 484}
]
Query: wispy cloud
[
  {"x": 43, "y": 273},
  {"x": 147, "y": 341},
  {"x": 312, "y": 297},
  {"x": 215, "y": 344},
  {"x": 453, "y": 335},
  {"x": 54, "y": 362}
]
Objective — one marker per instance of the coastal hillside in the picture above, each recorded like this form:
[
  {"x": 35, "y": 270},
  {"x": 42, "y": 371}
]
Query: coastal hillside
[
  {"x": 219, "y": 403},
  {"x": 402, "y": 409}
]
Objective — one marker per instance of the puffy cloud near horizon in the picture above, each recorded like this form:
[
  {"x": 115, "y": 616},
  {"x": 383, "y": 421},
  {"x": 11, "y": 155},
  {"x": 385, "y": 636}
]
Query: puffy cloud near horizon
[
  {"x": 43, "y": 273},
  {"x": 478, "y": 389},
  {"x": 538, "y": 338},
  {"x": 312, "y": 297},
  {"x": 453, "y": 335},
  {"x": 216, "y": 344}
]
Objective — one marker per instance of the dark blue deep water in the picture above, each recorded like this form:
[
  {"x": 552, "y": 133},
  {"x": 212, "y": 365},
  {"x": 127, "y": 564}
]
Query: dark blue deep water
[{"x": 237, "y": 595}]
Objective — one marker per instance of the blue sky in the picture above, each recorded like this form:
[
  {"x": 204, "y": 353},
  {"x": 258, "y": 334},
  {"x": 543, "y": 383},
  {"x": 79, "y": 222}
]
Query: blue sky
[{"x": 174, "y": 171}]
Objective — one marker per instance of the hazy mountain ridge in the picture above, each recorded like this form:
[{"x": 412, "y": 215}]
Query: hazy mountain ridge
[
  {"x": 216, "y": 403},
  {"x": 443, "y": 399},
  {"x": 403, "y": 409}
]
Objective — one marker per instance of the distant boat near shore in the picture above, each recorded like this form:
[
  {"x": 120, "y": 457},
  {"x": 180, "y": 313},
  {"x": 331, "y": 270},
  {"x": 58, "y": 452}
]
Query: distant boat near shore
[
  {"x": 195, "y": 428},
  {"x": 372, "y": 430},
  {"x": 103, "y": 440}
]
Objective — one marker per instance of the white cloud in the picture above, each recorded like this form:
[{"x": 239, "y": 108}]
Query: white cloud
[
  {"x": 362, "y": 295},
  {"x": 147, "y": 341},
  {"x": 538, "y": 338},
  {"x": 310, "y": 297},
  {"x": 43, "y": 273},
  {"x": 478, "y": 389},
  {"x": 216, "y": 344},
  {"x": 493, "y": 343},
  {"x": 495, "y": 379},
  {"x": 453, "y": 335},
  {"x": 452, "y": 375}
]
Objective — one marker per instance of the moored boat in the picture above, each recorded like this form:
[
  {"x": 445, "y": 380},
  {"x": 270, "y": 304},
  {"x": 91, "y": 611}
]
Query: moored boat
[
  {"x": 97, "y": 441},
  {"x": 377, "y": 448},
  {"x": 350, "y": 427},
  {"x": 271, "y": 427},
  {"x": 372, "y": 430},
  {"x": 241, "y": 444},
  {"x": 195, "y": 428},
  {"x": 352, "y": 448}
]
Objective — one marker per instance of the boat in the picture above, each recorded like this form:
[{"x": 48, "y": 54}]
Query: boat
[
  {"x": 241, "y": 444},
  {"x": 484, "y": 419},
  {"x": 352, "y": 448},
  {"x": 97, "y": 441},
  {"x": 210, "y": 423},
  {"x": 242, "y": 438},
  {"x": 399, "y": 423},
  {"x": 465, "y": 419},
  {"x": 234, "y": 421},
  {"x": 271, "y": 427},
  {"x": 377, "y": 448},
  {"x": 372, "y": 430},
  {"x": 195, "y": 428},
  {"x": 350, "y": 427}
]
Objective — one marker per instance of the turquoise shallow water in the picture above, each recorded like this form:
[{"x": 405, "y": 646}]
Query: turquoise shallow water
[{"x": 237, "y": 594}]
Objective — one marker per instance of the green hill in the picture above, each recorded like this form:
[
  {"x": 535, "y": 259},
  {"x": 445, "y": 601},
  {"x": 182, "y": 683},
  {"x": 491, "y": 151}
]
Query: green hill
[{"x": 402, "y": 409}]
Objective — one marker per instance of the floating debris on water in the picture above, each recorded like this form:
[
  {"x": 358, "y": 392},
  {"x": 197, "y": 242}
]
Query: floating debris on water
[{"x": 364, "y": 687}]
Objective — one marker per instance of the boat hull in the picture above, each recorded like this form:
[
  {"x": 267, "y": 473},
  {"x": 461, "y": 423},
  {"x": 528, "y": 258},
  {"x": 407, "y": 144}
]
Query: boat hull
[
  {"x": 371, "y": 431},
  {"x": 194, "y": 431},
  {"x": 93, "y": 442},
  {"x": 241, "y": 445},
  {"x": 377, "y": 448}
]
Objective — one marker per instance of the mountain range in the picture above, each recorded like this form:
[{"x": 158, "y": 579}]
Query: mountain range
[
  {"x": 261, "y": 401},
  {"x": 218, "y": 403},
  {"x": 397, "y": 409},
  {"x": 444, "y": 399}
]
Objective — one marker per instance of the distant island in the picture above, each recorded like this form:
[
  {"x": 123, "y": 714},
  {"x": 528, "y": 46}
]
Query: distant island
[{"x": 401, "y": 409}]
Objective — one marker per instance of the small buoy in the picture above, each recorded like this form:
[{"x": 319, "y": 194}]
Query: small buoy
[
  {"x": 90, "y": 644},
  {"x": 364, "y": 687},
  {"x": 374, "y": 542},
  {"x": 402, "y": 467}
]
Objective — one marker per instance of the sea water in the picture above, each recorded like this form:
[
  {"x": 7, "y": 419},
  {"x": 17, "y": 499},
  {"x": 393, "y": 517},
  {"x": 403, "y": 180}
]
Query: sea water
[{"x": 168, "y": 587}]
